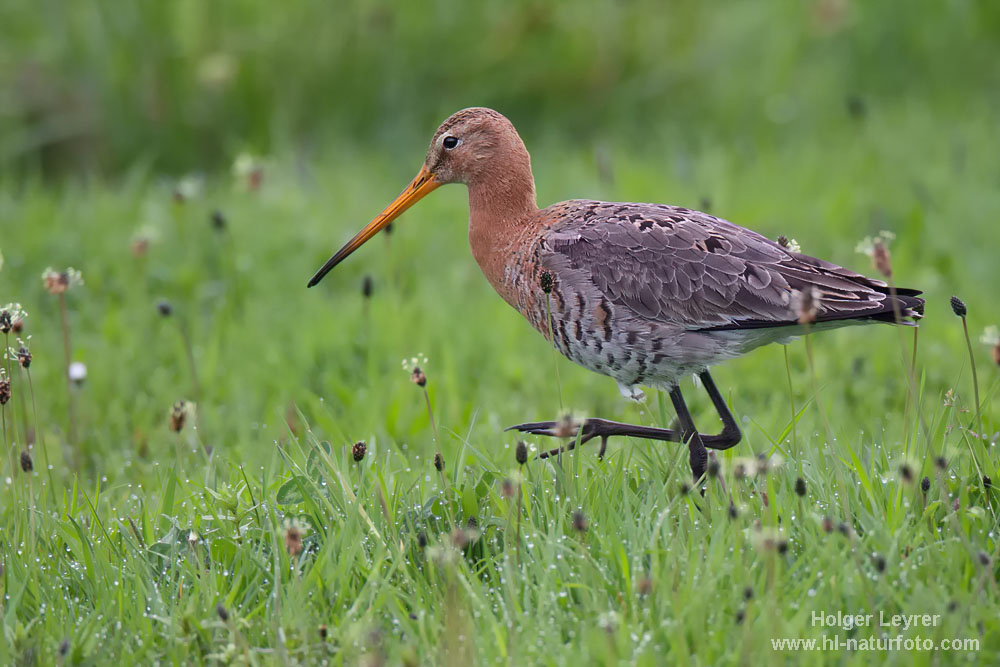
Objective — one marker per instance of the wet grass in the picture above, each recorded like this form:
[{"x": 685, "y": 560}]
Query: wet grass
[{"x": 250, "y": 532}]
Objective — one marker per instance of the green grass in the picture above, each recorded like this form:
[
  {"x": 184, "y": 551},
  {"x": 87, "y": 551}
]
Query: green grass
[{"x": 125, "y": 548}]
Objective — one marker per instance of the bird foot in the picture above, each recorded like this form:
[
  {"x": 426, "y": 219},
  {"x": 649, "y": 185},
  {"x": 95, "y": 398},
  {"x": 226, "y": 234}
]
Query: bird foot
[
  {"x": 580, "y": 433},
  {"x": 583, "y": 431}
]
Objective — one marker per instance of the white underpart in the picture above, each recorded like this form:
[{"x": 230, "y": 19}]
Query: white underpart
[{"x": 632, "y": 392}]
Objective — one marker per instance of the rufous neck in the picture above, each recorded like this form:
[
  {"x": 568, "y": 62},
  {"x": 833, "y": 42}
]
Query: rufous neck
[
  {"x": 502, "y": 196},
  {"x": 502, "y": 210}
]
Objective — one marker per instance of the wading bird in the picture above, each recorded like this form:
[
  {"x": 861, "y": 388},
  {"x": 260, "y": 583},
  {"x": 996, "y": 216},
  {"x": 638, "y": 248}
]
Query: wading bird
[{"x": 643, "y": 293}]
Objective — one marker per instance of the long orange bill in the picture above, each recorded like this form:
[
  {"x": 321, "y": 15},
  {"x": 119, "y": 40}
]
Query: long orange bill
[{"x": 414, "y": 192}]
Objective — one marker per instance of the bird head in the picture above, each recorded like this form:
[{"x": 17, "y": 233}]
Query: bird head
[{"x": 464, "y": 149}]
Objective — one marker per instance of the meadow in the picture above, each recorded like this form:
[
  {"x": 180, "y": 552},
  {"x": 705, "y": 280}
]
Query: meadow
[{"x": 196, "y": 494}]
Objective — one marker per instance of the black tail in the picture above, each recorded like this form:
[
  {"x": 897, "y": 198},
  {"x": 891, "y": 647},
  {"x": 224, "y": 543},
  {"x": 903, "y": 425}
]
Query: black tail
[{"x": 904, "y": 306}]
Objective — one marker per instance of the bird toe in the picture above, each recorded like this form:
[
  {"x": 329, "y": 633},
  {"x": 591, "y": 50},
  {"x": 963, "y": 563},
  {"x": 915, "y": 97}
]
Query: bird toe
[{"x": 532, "y": 427}]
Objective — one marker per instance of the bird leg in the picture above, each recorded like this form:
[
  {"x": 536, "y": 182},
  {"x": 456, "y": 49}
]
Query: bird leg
[
  {"x": 698, "y": 455},
  {"x": 731, "y": 433},
  {"x": 697, "y": 442}
]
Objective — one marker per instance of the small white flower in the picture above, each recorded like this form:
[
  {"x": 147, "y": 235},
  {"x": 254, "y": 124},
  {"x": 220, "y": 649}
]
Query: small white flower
[
  {"x": 866, "y": 246},
  {"x": 805, "y": 304},
  {"x": 190, "y": 186},
  {"x": 22, "y": 353},
  {"x": 608, "y": 621},
  {"x": 11, "y": 318},
  {"x": 766, "y": 463},
  {"x": 743, "y": 467},
  {"x": 791, "y": 245},
  {"x": 217, "y": 70},
  {"x": 991, "y": 336},
  {"x": 419, "y": 361},
  {"x": 442, "y": 554},
  {"x": 297, "y": 523},
  {"x": 78, "y": 372},
  {"x": 57, "y": 282},
  {"x": 15, "y": 310},
  {"x": 766, "y": 538},
  {"x": 244, "y": 164}
]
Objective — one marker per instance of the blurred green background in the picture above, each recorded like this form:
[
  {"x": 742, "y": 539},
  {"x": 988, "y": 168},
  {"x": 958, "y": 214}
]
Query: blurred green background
[
  {"x": 826, "y": 120},
  {"x": 185, "y": 85},
  {"x": 129, "y": 133}
]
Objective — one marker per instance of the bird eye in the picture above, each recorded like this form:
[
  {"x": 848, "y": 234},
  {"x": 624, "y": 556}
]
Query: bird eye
[{"x": 450, "y": 142}]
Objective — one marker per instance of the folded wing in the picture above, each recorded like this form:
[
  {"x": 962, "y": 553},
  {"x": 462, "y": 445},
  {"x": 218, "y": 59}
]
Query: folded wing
[{"x": 675, "y": 265}]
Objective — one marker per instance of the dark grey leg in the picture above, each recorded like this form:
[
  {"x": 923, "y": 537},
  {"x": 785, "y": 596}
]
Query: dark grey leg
[
  {"x": 689, "y": 434},
  {"x": 730, "y": 429},
  {"x": 603, "y": 428}
]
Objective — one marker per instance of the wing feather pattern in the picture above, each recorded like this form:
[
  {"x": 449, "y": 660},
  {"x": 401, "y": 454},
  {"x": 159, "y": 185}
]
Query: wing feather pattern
[{"x": 683, "y": 267}]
